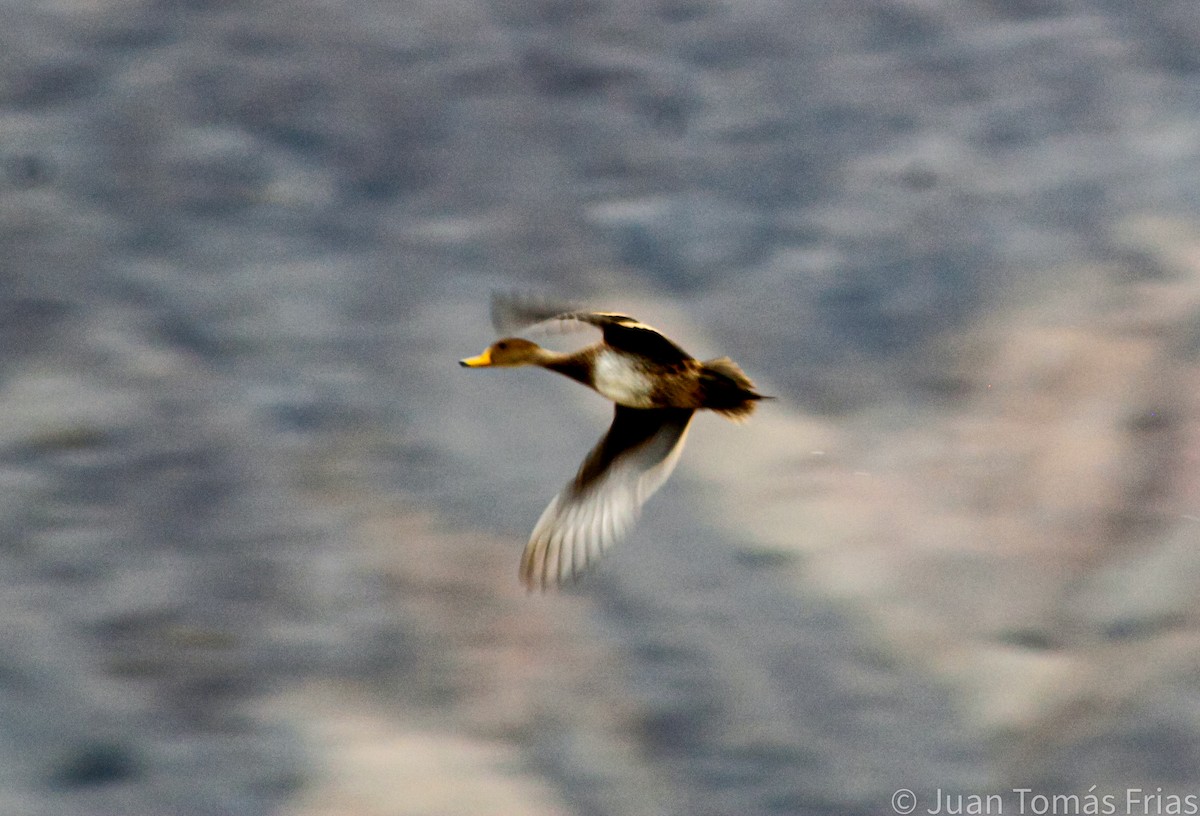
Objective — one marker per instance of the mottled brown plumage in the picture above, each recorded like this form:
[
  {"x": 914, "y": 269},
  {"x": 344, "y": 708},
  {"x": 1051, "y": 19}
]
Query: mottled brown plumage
[{"x": 656, "y": 386}]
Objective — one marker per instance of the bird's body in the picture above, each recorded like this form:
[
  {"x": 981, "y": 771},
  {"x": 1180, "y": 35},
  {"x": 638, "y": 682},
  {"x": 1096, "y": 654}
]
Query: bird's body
[
  {"x": 656, "y": 386},
  {"x": 614, "y": 376}
]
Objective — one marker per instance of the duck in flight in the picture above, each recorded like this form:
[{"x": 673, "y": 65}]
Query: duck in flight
[{"x": 656, "y": 387}]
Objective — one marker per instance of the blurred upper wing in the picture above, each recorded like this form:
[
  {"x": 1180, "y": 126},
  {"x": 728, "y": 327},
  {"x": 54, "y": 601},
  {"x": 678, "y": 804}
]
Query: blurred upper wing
[
  {"x": 625, "y": 468},
  {"x": 512, "y": 313}
]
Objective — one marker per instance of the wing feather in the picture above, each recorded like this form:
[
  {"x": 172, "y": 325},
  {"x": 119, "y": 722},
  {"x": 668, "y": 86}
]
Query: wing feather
[
  {"x": 514, "y": 312},
  {"x": 602, "y": 502}
]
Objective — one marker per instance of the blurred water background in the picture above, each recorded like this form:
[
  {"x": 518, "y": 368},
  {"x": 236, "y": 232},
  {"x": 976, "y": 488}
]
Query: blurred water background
[{"x": 259, "y": 534}]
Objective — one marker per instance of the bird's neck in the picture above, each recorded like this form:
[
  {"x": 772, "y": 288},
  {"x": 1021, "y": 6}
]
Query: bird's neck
[{"x": 574, "y": 366}]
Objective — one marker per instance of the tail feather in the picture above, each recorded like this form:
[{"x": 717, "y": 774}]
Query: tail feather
[
  {"x": 727, "y": 368},
  {"x": 726, "y": 389}
]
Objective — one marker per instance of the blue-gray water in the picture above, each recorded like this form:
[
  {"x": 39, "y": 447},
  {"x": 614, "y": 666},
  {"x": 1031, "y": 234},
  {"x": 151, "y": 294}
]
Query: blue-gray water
[{"x": 256, "y": 518}]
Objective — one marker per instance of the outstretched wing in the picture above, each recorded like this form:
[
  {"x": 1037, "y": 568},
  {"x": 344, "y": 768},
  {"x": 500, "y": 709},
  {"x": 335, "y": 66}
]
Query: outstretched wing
[
  {"x": 512, "y": 313},
  {"x": 591, "y": 513},
  {"x": 624, "y": 333}
]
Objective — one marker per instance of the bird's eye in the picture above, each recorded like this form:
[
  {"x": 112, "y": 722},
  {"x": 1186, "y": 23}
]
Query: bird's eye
[{"x": 501, "y": 346}]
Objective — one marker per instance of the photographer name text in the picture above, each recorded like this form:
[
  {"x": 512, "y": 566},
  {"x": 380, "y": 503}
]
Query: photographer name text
[{"x": 1026, "y": 802}]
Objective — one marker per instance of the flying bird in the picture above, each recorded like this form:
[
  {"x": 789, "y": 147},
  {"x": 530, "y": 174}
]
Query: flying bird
[{"x": 656, "y": 386}]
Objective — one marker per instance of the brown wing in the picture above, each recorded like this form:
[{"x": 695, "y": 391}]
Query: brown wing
[
  {"x": 511, "y": 313},
  {"x": 599, "y": 505},
  {"x": 626, "y": 334}
]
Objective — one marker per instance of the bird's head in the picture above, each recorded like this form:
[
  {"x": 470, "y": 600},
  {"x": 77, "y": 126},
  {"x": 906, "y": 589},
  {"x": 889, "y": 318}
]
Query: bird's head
[{"x": 507, "y": 353}]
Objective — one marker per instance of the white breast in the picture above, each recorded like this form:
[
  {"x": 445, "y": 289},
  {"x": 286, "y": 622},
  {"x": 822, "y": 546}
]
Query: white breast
[{"x": 621, "y": 382}]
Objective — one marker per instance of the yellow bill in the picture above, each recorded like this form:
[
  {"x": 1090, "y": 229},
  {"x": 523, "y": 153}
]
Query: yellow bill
[{"x": 482, "y": 360}]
